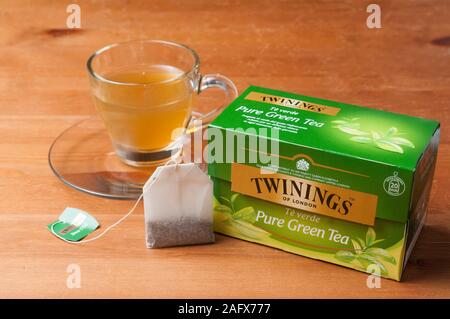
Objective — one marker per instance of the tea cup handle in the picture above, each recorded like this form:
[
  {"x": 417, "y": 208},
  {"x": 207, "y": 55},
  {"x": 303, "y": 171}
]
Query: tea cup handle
[{"x": 214, "y": 81}]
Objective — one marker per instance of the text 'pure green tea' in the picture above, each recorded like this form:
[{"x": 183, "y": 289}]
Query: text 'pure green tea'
[{"x": 349, "y": 185}]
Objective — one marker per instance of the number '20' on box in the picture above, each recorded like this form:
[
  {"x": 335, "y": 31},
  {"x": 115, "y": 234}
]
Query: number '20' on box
[{"x": 332, "y": 181}]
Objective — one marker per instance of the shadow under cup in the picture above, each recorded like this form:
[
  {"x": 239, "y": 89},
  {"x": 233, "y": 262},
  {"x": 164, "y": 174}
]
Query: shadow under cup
[{"x": 145, "y": 91}]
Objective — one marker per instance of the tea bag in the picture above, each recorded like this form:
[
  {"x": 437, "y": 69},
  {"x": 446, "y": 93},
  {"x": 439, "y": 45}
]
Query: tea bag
[{"x": 178, "y": 206}]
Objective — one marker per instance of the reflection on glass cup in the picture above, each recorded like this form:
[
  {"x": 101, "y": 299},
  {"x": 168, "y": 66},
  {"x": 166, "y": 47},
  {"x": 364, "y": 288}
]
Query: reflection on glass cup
[{"x": 145, "y": 93}]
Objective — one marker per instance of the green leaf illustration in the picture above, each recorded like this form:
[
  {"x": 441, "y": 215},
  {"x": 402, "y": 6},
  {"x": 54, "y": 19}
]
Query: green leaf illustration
[
  {"x": 377, "y": 241},
  {"x": 348, "y": 125},
  {"x": 225, "y": 199},
  {"x": 363, "y": 261},
  {"x": 345, "y": 256},
  {"x": 246, "y": 213},
  {"x": 391, "y": 131},
  {"x": 352, "y": 125},
  {"x": 356, "y": 247},
  {"x": 233, "y": 197},
  {"x": 387, "y": 141},
  {"x": 361, "y": 139},
  {"x": 381, "y": 253},
  {"x": 370, "y": 236},
  {"x": 375, "y": 135},
  {"x": 401, "y": 141},
  {"x": 339, "y": 122},
  {"x": 248, "y": 229},
  {"x": 352, "y": 131},
  {"x": 361, "y": 242},
  {"x": 367, "y": 260},
  {"x": 388, "y": 146},
  {"x": 222, "y": 208}
]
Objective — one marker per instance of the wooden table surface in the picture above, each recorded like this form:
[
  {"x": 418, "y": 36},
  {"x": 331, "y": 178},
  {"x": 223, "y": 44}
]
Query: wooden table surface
[{"x": 321, "y": 49}]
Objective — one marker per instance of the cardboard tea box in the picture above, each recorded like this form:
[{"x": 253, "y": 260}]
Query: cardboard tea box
[{"x": 332, "y": 181}]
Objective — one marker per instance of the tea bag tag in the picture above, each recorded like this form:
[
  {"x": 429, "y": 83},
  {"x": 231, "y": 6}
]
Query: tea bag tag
[{"x": 73, "y": 225}]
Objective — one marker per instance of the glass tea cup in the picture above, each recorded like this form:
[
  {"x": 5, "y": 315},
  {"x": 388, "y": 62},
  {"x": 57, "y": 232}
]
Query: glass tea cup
[{"x": 145, "y": 93}]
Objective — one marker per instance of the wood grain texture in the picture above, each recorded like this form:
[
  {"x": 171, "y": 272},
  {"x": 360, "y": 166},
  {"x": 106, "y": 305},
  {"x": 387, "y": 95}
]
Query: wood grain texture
[{"x": 318, "y": 48}]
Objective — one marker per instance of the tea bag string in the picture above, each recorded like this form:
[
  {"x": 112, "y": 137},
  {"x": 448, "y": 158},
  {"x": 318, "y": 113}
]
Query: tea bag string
[{"x": 172, "y": 161}]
